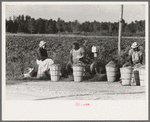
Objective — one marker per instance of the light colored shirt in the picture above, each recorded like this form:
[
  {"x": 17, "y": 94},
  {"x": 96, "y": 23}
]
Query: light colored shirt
[
  {"x": 76, "y": 54},
  {"x": 136, "y": 55}
]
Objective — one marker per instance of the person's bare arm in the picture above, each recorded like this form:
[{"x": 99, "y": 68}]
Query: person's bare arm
[
  {"x": 130, "y": 60},
  {"x": 130, "y": 57},
  {"x": 82, "y": 53},
  {"x": 71, "y": 60}
]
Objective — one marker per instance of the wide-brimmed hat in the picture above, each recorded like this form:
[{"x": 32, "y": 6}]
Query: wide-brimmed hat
[
  {"x": 134, "y": 45},
  {"x": 42, "y": 43}
]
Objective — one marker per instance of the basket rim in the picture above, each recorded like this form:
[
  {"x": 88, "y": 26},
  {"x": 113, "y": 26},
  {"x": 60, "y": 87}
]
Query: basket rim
[{"x": 126, "y": 68}]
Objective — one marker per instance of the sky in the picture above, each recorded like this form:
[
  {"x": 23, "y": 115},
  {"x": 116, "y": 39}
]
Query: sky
[{"x": 81, "y": 12}]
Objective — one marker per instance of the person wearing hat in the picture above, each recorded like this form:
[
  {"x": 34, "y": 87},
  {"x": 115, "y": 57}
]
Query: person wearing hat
[
  {"x": 42, "y": 59},
  {"x": 135, "y": 55},
  {"x": 76, "y": 56}
]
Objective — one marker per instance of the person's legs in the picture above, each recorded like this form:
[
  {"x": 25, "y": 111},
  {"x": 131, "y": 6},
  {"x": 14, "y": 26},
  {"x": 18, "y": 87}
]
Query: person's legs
[
  {"x": 49, "y": 62},
  {"x": 69, "y": 68},
  {"x": 93, "y": 68},
  {"x": 63, "y": 70},
  {"x": 41, "y": 71},
  {"x": 44, "y": 67},
  {"x": 137, "y": 65}
]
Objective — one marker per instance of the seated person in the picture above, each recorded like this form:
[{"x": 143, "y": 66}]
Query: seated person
[
  {"x": 76, "y": 56},
  {"x": 88, "y": 54},
  {"x": 42, "y": 60},
  {"x": 135, "y": 56},
  {"x": 97, "y": 67}
]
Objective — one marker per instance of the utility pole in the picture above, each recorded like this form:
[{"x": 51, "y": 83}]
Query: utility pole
[{"x": 120, "y": 31}]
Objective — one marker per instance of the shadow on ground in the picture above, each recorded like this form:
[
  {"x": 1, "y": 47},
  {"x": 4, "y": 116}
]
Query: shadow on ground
[
  {"x": 14, "y": 81},
  {"x": 64, "y": 96}
]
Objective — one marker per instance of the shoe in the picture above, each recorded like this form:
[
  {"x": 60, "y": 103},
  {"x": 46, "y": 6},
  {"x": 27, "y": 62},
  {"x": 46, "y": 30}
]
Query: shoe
[{"x": 27, "y": 75}]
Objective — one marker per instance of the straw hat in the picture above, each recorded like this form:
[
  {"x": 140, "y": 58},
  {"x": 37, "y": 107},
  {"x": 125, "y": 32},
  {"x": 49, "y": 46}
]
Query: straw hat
[
  {"x": 42, "y": 43},
  {"x": 135, "y": 45}
]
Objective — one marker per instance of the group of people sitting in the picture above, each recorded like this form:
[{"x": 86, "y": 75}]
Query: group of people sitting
[{"x": 78, "y": 55}]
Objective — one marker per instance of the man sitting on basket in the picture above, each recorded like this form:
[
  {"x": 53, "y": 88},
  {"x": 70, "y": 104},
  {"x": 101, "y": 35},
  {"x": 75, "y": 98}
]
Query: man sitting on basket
[
  {"x": 135, "y": 56},
  {"x": 77, "y": 55},
  {"x": 42, "y": 60}
]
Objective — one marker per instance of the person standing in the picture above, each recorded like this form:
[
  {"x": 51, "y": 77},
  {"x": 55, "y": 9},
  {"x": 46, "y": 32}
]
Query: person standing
[{"x": 43, "y": 61}]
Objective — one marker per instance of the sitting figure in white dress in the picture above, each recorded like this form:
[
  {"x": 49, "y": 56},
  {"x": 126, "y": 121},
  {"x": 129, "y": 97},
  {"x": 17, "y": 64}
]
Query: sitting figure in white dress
[{"x": 43, "y": 61}]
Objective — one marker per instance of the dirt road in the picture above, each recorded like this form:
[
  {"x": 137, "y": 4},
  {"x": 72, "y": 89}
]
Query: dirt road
[{"x": 69, "y": 90}]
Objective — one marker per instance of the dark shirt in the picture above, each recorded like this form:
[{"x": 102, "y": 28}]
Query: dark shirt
[
  {"x": 41, "y": 54},
  {"x": 88, "y": 53}
]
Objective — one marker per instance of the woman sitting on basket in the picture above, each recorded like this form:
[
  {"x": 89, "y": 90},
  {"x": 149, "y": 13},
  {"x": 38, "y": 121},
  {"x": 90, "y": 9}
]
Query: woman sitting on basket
[{"x": 42, "y": 60}]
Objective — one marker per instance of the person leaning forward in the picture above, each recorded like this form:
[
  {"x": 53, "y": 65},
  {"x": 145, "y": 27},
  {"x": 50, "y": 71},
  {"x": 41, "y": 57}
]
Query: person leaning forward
[
  {"x": 77, "y": 55},
  {"x": 42, "y": 60},
  {"x": 135, "y": 56}
]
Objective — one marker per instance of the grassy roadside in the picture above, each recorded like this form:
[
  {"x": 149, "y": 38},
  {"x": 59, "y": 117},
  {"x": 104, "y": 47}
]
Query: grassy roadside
[{"x": 20, "y": 49}]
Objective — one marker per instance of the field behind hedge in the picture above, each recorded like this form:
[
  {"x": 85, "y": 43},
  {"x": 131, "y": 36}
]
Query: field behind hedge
[{"x": 20, "y": 49}]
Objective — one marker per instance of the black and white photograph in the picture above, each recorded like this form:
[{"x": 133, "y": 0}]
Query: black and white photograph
[{"x": 77, "y": 56}]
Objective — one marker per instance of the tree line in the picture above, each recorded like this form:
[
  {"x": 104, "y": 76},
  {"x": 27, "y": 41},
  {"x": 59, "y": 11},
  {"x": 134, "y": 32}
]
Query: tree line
[{"x": 27, "y": 24}]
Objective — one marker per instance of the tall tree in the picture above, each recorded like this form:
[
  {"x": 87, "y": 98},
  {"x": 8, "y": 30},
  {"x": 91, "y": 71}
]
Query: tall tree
[
  {"x": 59, "y": 25},
  {"x": 96, "y": 26},
  {"x": 110, "y": 29},
  {"x": 32, "y": 26},
  {"x": 40, "y": 25},
  {"x": 50, "y": 26},
  {"x": 75, "y": 26}
]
